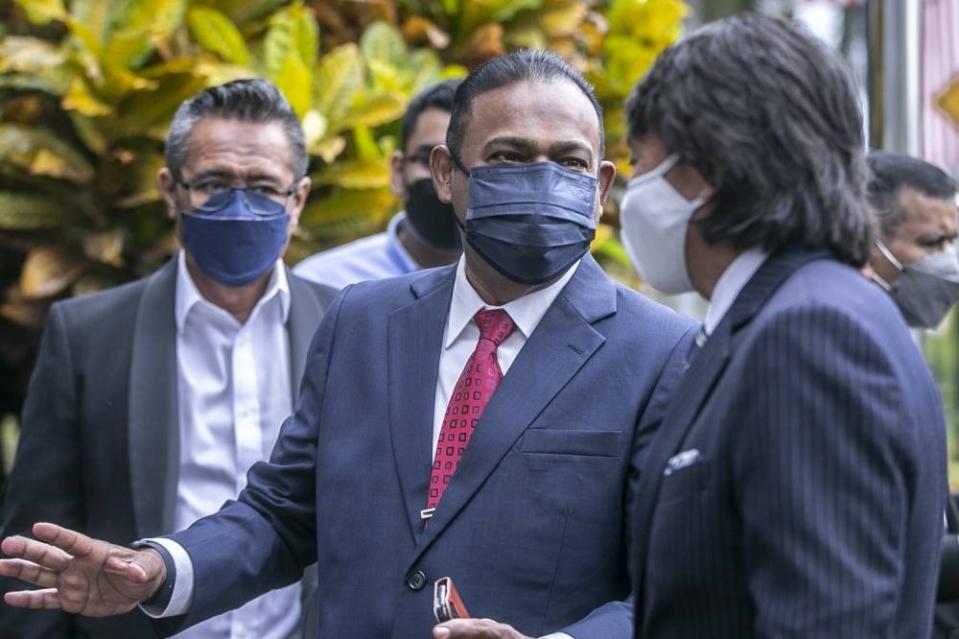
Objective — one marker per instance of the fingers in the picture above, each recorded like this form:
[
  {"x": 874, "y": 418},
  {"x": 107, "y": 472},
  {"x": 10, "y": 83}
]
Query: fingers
[
  {"x": 45, "y": 599},
  {"x": 474, "y": 629},
  {"x": 125, "y": 567},
  {"x": 29, "y": 572},
  {"x": 36, "y": 552},
  {"x": 69, "y": 540}
]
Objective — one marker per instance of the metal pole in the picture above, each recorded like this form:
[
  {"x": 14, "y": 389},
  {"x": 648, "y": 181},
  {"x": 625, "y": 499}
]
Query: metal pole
[{"x": 894, "y": 80}]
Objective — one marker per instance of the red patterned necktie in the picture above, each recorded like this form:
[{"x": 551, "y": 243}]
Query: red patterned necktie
[{"x": 472, "y": 393}]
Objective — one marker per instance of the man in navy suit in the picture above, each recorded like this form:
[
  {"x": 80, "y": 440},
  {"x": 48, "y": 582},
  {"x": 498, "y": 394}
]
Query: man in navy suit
[
  {"x": 533, "y": 380},
  {"x": 795, "y": 488}
]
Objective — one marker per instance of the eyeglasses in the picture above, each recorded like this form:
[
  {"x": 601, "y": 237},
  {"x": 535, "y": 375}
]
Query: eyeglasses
[{"x": 211, "y": 196}]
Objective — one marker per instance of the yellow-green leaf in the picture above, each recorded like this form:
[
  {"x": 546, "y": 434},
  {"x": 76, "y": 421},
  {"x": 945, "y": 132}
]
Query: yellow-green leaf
[
  {"x": 48, "y": 270},
  {"x": 39, "y": 152},
  {"x": 30, "y": 55},
  {"x": 105, "y": 247},
  {"x": 293, "y": 79},
  {"x": 382, "y": 42},
  {"x": 364, "y": 143},
  {"x": 338, "y": 78},
  {"x": 24, "y": 212},
  {"x": 293, "y": 33},
  {"x": 43, "y": 11},
  {"x": 314, "y": 127},
  {"x": 140, "y": 26},
  {"x": 376, "y": 109},
  {"x": 148, "y": 108},
  {"x": 81, "y": 100},
  {"x": 214, "y": 32},
  {"x": 345, "y": 204},
  {"x": 355, "y": 174},
  {"x": 328, "y": 148}
]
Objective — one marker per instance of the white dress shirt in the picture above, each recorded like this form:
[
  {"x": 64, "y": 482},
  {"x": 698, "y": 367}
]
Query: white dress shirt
[
  {"x": 730, "y": 284},
  {"x": 234, "y": 391},
  {"x": 460, "y": 338}
]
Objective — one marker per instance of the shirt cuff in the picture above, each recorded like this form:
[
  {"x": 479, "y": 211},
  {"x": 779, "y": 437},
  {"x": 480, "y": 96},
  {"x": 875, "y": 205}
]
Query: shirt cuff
[
  {"x": 556, "y": 635},
  {"x": 182, "y": 577}
]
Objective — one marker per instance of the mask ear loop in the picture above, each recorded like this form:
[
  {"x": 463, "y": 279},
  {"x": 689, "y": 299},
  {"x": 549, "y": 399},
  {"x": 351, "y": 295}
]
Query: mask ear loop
[{"x": 888, "y": 255}]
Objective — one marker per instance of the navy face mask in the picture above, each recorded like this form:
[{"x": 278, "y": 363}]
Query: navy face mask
[
  {"x": 236, "y": 237},
  {"x": 530, "y": 222}
]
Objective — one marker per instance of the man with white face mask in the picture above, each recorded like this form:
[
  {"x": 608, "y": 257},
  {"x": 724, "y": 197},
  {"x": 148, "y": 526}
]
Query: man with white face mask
[
  {"x": 795, "y": 488},
  {"x": 915, "y": 258}
]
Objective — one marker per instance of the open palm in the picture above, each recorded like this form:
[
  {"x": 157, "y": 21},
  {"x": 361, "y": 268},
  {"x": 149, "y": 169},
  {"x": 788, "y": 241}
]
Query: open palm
[{"x": 78, "y": 574}]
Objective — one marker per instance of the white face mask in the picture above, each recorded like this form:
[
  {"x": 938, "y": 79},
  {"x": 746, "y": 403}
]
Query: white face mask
[{"x": 654, "y": 217}]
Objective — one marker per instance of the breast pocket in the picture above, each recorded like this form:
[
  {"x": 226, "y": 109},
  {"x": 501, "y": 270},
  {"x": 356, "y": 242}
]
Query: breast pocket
[
  {"x": 686, "y": 482},
  {"x": 554, "y": 441}
]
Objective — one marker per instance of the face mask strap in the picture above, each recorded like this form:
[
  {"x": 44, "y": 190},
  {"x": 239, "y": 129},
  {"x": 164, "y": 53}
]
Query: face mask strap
[
  {"x": 458, "y": 163},
  {"x": 888, "y": 255}
]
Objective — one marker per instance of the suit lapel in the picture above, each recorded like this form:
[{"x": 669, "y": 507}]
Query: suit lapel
[
  {"x": 153, "y": 417},
  {"x": 557, "y": 349},
  {"x": 696, "y": 387},
  {"x": 305, "y": 314},
  {"x": 414, "y": 340}
]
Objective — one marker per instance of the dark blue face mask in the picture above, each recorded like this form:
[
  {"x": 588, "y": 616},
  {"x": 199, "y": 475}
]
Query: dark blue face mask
[
  {"x": 236, "y": 236},
  {"x": 530, "y": 222}
]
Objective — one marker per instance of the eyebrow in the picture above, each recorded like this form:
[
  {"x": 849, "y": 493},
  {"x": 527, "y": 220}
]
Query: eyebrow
[
  {"x": 527, "y": 145},
  {"x": 223, "y": 173}
]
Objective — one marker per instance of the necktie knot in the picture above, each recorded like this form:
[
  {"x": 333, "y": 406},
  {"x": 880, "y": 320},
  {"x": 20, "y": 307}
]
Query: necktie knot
[{"x": 495, "y": 325}]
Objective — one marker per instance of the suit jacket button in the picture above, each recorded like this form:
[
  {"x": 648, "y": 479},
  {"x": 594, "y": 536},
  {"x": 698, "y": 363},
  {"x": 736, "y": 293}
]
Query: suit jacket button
[{"x": 416, "y": 580}]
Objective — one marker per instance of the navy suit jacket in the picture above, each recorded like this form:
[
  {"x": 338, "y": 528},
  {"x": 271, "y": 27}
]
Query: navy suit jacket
[
  {"x": 813, "y": 505},
  {"x": 533, "y": 528}
]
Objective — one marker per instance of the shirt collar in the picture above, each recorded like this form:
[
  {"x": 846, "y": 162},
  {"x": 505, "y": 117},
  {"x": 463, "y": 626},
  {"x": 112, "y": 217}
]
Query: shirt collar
[
  {"x": 729, "y": 285},
  {"x": 400, "y": 254},
  {"x": 188, "y": 295},
  {"x": 526, "y": 311}
]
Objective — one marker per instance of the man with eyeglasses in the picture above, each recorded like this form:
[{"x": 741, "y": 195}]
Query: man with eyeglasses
[
  {"x": 424, "y": 234},
  {"x": 149, "y": 402}
]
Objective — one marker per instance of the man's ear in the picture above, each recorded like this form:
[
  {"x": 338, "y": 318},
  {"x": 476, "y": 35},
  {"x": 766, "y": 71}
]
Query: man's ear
[
  {"x": 300, "y": 193},
  {"x": 441, "y": 168},
  {"x": 166, "y": 184},
  {"x": 397, "y": 183},
  {"x": 607, "y": 175}
]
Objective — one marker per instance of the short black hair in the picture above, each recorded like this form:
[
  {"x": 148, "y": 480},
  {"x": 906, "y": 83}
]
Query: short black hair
[
  {"x": 435, "y": 96},
  {"x": 251, "y": 100},
  {"x": 525, "y": 65},
  {"x": 771, "y": 117},
  {"x": 889, "y": 173}
]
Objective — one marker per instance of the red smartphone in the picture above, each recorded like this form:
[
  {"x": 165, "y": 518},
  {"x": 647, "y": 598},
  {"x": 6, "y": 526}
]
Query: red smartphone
[{"x": 447, "y": 603}]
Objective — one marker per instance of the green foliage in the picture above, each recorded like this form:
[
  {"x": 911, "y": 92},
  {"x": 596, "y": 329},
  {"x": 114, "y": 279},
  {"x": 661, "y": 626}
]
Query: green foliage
[{"x": 88, "y": 88}]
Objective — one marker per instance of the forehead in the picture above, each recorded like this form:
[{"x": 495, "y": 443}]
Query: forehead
[
  {"x": 430, "y": 128},
  {"x": 239, "y": 144},
  {"x": 922, "y": 210},
  {"x": 541, "y": 112}
]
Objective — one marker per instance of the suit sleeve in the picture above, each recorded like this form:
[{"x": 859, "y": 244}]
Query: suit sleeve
[
  {"x": 614, "y": 620},
  {"x": 823, "y": 457},
  {"x": 45, "y": 484},
  {"x": 266, "y": 538}
]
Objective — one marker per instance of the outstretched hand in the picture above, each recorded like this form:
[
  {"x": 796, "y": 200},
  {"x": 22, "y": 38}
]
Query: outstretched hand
[
  {"x": 476, "y": 629},
  {"x": 78, "y": 574}
]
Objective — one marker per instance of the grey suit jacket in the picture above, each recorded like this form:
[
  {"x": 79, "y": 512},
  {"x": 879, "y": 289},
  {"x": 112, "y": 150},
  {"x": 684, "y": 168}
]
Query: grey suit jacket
[{"x": 99, "y": 444}]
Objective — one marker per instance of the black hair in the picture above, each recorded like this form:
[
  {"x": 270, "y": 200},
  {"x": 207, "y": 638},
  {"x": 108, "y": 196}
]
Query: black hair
[
  {"x": 435, "y": 96},
  {"x": 525, "y": 65},
  {"x": 889, "y": 173},
  {"x": 252, "y": 100},
  {"x": 772, "y": 118}
]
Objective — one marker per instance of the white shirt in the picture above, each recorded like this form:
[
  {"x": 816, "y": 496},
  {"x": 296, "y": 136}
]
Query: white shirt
[
  {"x": 234, "y": 391},
  {"x": 730, "y": 284},
  {"x": 460, "y": 338}
]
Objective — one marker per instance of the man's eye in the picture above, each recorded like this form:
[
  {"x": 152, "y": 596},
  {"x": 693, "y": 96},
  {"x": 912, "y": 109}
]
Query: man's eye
[
  {"x": 211, "y": 187},
  {"x": 577, "y": 164},
  {"x": 506, "y": 156},
  {"x": 265, "y": 190}
]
